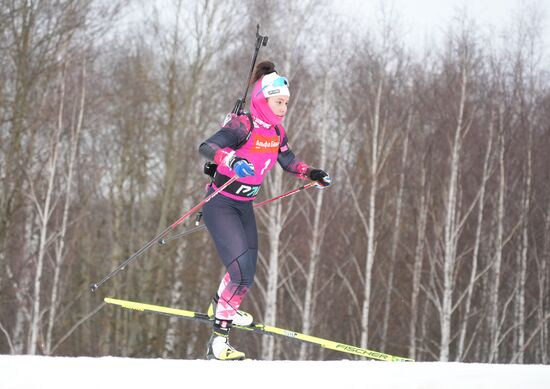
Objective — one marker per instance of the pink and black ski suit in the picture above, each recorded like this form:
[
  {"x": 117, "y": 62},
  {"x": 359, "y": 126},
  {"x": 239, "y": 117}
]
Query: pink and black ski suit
[{"x": 229, "y": 216}]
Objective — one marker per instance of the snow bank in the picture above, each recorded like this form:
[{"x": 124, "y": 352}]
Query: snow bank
[{"x": 17, "y": 372}]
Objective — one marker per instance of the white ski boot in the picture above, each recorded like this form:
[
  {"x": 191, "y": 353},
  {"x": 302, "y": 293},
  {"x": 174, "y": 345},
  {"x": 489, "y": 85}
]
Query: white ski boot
[
  {"x": 220, "y": 349},
  {"x": 241, "y": 318}
]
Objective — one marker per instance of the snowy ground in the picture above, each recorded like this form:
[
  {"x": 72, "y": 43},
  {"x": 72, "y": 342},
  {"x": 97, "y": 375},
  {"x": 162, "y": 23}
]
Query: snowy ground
[{"x": 18, "y": 372}]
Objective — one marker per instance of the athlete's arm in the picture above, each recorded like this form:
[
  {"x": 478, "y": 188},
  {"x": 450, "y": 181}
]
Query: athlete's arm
[
  {"x": 290, "y": 163},
  {"x": 224, "y": 141}
]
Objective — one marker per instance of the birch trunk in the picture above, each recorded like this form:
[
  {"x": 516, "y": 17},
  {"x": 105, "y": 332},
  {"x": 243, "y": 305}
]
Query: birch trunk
[
  {"x": 274, "y": 225},
  {"x": 543, "y": 288},
  {"x": 21, "y": 284},
  {"x": 477, "y": 244},
  {"x": 494, "y": 329},
  {"x": 307, "y": 315},
  {"x": 396, "y": 236},
  {"x": 274, "y": 218},
  {"x": 60, "y": 247},
  {"x": 176, "y": 291},
  {"x": 418, "y": 259},
  {"x": 522, "y": 258},
  {"x": 44, "y": 214},
  {"x": 365, "y": 310},
  {"x": 317, "y": 231},
  {"x": 22, "y": 315},
  {"x": 451, "y": 232}
]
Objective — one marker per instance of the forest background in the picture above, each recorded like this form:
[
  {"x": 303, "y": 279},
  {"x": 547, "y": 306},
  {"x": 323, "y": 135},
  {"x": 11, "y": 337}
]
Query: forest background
[{"x": 433, "y": 241}]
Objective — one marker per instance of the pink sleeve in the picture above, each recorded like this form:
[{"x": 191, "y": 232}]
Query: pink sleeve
[{"x": 222, "y": 154}]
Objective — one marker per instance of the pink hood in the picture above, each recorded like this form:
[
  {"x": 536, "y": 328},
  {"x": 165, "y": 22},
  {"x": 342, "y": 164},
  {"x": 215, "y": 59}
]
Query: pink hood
[{"x": 259, "y": 107}]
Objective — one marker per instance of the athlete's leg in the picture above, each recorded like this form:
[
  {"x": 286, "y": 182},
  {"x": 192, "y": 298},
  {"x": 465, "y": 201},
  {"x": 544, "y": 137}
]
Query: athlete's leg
[
  {"x": 223, "y": 218},
  {"x": 229, "y": 223}
]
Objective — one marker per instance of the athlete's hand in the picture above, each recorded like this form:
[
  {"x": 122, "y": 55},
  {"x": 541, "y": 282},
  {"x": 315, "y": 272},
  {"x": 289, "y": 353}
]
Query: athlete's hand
[
  {"x": 322, "y": 178},
  {"x": 242, "y": 167}
]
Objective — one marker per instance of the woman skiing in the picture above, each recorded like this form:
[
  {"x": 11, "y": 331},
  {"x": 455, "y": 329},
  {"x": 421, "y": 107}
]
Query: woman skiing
[{"x": 247, "y": 150}]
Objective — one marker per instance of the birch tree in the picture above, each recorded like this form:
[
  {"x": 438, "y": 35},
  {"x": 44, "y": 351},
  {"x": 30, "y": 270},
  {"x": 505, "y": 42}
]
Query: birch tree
[
  {"x": 493, "y": 318},
  {"x": 451, "y": 234},
  {"x": 418, "y": 259},
  {"x": 460, "y": 73},
  {"x": 60, "y": 245},
  {"x": 474, "y": 275},
  {"x": 396, "y": 234},
  {"x": 382, "y": 126}
]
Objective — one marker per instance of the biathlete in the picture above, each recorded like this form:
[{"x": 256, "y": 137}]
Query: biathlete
[{"x": 249, "y": 151}]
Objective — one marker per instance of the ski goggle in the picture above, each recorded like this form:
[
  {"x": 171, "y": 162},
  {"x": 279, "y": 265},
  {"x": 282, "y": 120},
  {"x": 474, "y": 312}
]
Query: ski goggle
[{"x": 278, "y": 82}]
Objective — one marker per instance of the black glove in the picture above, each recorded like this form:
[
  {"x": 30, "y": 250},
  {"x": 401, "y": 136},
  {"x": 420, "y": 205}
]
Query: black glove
[
  {"x": 320, "y": 176},
  {"x": 210, "y": 168}
]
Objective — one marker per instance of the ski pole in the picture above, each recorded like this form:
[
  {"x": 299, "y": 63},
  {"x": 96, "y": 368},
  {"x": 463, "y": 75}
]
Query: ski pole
[
  {"x": 163, "y": 241},
  {"x": 96, "y": 285},
  {"x": 202, "y": 227},
  {"x": 290, "y": 193}
]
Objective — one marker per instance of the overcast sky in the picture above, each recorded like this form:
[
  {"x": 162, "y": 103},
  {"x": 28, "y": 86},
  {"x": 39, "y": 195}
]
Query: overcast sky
[
  {"x": 421, "y": 18},
  {"x": 420, "y": 22}
]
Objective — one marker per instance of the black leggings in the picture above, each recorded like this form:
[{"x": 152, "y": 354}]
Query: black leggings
[{"x": 232, "y": 225}]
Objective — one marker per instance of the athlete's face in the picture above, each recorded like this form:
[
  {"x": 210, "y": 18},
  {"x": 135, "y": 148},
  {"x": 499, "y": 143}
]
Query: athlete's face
[{"x": 278, "y": 104}]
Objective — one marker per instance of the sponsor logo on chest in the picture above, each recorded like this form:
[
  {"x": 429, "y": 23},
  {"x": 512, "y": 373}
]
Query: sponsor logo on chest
[{"x": 264, "y": 144}]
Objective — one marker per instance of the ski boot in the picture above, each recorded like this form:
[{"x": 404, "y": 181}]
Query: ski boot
[
  {"x": 218, "y": 345},
  {"x": 241, "y": 318}
]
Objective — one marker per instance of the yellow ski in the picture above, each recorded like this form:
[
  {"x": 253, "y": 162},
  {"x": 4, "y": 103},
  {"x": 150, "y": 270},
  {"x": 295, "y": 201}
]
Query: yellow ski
[{"x": 261, "y": 329}]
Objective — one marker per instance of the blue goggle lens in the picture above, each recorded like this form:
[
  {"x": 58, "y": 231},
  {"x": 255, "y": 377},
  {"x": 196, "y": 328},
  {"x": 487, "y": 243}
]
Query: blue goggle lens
[{"x": 280, "y": 81}]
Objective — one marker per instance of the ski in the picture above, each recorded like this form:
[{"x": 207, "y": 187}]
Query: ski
[{"x": 261, "y": 329}]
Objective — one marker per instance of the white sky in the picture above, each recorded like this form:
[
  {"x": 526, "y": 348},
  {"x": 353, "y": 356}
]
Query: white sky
[
  {"x": 428, "y": 18},
  {"x": 420, "y": 23}
]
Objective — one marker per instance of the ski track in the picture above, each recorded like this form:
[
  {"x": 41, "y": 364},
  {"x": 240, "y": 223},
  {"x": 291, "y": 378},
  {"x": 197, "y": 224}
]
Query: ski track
[{"x": 18, "y": 372}]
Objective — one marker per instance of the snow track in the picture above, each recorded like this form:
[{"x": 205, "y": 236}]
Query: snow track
[{"x": 18, "y": 372}]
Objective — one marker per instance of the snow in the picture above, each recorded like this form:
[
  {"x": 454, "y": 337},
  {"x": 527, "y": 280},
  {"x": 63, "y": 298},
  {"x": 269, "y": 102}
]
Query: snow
[{"x": 18, "y": 372}]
